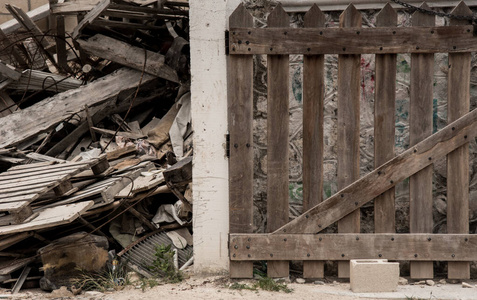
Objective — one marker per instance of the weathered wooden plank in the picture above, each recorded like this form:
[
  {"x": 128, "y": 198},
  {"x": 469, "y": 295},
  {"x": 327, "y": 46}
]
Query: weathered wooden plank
[
  {"x": 313, "y": 101},
  {"x": 9, "y": 72},
  {"x": 412, "y": 247},
  {"x": 21, "y": 175},
  {"x": 30, "y": 180},
  {"x": 50, "y": 217},
  {"x": 13, "y": 239},
  {"x": 458, "y": 104},
  {"x": 385, "y": 176},
  {"x": 420, "y": 127},
  {"x": 349, "y": 67},
  {"x": 73, "y": 6},
  {"x": 240, "y": 119},
  {"x": 44, "y": 115},
  {"x": 7, "y": 105},
  {"x": 379, "y": 40},
  {"x": 384, "y": 119},
  {"x": 129, "y": 56},
  {"x": 61, "y": 52},
  {"x": 125, "y": 134},
  {"x": 277, "y": 141},
  {"x": 90, "y": 17}
]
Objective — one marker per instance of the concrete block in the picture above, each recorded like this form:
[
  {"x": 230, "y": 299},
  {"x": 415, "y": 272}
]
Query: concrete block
[{"x": 373, "y": 275}]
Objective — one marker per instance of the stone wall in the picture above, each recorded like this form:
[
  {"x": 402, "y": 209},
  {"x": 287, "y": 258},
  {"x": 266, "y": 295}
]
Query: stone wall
[{"x": 260, "y": 10}]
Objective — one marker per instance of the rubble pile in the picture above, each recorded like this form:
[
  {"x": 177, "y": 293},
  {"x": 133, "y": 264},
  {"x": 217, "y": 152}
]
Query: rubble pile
[{"x": 95, "y": 138}]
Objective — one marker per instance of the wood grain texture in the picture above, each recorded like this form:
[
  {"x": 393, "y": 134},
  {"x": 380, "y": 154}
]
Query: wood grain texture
[
  {"x": 44, "y": 115},
  {"x": 240, "y": 119},
  {"x": 313, "y": 101},
  {"x": 428, "y": 39},
  {"x": 130, "y": 56},
  {"x": 384, "y": 119},
  {"x": 277, "y": 141},
  {"x": 420, "y": 127},
  {"x": 428, "y": 247},
  {"x": 385, "y": 176},
  {"x": 458, "y": 104},
  {"x": 348, "y": 126}
]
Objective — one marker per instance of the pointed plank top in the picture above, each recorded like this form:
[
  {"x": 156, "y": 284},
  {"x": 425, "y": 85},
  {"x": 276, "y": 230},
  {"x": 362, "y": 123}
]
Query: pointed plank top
[
  {"x": 278, "y": 18},
  {"x": 240, "y": 17},
  {"x": 314, "y": 17},
  {"x": 386, "y": 17},
  {"x": 461, "y": 10},
  {"x": 350, "y": 17},
  {"x": 422, "y": 19}
]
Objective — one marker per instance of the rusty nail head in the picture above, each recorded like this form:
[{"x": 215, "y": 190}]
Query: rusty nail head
[
  {"x": 429, "y": 239},
  {"x": 308, "y": 254},
  {"x": 248, "y": 247},
  {"x": 392, "y": 239},
  {"x": 271, "y": 255},
  {"x": 342, "y": 255},
  {"x": 236, "y": 145},
  {"x": 415, "y": 255},
  {"x": 285, "y": 239},
  {"x": 233, "y": 255},
  {"x": 357, "y": 238},
  {"x": 380, "y": 255},
  {"x": 249, "y": 255},
  {"x": 320, "y": 239},
  {"x": 240, "y": 42},
  {"x": 236, "y": 247},
  {"x": 453, "y": 255},
  {"x": 466, "y": 239}
]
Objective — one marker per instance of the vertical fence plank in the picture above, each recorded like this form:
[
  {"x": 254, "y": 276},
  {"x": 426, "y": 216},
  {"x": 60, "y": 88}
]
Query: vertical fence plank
[
  {"x": 313, "y": 98},
  {"x": 348, "y": 127},
  {"x": 420, "y": 127},
  {"x": 277, "y": 148},
  {"x": 458, "y": 104},
  {"x": 240, "y": 95},
  {"x": 384, "y": 118}
]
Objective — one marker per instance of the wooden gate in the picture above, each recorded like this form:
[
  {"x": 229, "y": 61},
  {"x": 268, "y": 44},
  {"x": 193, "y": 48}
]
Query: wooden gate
[{"x": 298, "y": 239}]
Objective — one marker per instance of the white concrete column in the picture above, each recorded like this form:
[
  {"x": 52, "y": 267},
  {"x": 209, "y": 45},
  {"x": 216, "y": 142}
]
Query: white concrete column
[{"x": 208, "y": 22}]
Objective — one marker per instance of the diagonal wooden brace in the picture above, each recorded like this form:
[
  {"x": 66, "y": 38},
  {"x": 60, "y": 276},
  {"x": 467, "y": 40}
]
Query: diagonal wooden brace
[{"x": 384, "y": 177}]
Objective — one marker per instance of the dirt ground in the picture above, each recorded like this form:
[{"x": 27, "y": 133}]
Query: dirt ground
[{"x": 217, "y": 287}]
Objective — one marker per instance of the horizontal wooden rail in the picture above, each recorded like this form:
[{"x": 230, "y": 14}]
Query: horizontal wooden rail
[
  {"x": 383, "y": 40},
  {"x": 384, "y": 177},
  {"x": 413, "y": 247}
]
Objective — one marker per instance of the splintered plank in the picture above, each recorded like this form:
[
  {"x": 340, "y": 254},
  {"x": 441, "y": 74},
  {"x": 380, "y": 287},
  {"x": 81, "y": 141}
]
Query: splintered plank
[
  {"x": 420, "y": 127},
  {"x": 46, "y": 114},
  {"x": 50, "y": 217},
  {"x": 140, "y": 184},
  {"x": 90, "y": 17},
  {"x": 458, "y": 104},
  {"x": 277, "y": 137},
  {"x": 384, "y": 119},
  {"x": 412, "y": 247},
  {"x": 384, "y": 177},
  {"x": 313, "y": 99},
  {"x": 379, "y": 40},
  {"x": 348, "y": 126},
  {"x": 130, "y": 56},
  {"x": 240, "y": 116}
]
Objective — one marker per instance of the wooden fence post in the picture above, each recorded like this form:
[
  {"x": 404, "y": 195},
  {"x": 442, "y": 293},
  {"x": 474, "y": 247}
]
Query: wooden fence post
[
  {"x": 420, "y": 127},
  {"x": 277, "y": 141},
  {"x": 458, "y": 104},
  {"x": 313, "y": 99},
  {"x": 384, "y": 119},
  {"x": 348, "y": 126},
  {"x": 240, "y": 97}
]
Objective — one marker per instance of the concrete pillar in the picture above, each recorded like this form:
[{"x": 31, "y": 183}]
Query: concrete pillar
[{"x": 208, "y": 22}]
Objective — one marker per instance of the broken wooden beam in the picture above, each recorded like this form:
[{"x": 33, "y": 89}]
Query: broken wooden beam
[
  {"x": 384, "y": 177},
  {"x": 130, "y": 56},
  {"x": 129, "y": 135},
  {"x": 9, "y": 72},
  {"x": 90, "y": 16},
  {"x": 46, "y": 114}
]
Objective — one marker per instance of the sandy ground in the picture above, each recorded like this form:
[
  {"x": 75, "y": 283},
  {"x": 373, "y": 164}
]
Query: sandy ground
[{"x": 217, "y": 288}]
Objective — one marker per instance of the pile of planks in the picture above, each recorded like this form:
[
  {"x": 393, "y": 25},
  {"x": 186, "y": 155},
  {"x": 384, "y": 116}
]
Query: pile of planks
[{"x": 95, "y": 128}]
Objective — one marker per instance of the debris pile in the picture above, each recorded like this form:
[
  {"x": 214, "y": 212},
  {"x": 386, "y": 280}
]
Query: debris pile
[{"x": 95, "y": 138}]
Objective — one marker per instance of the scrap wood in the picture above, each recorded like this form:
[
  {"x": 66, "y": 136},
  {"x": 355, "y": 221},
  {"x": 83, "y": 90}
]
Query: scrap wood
[
  {"x": 130, "y": 56},
  {"x": 50, "y": 217},
  {"x": 141, "y": 184},
  {"x": 9, "y": 72},
  {"x": 129, "y": 135},
  {"x": 73, "y": 6},
  {"x": 90, "y": 16},
  {"x": 46, "y": 114},
  {"x": 8, "y": 267}
]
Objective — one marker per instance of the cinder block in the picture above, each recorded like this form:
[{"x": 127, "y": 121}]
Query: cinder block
[{"x": 373, "y": 275}]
